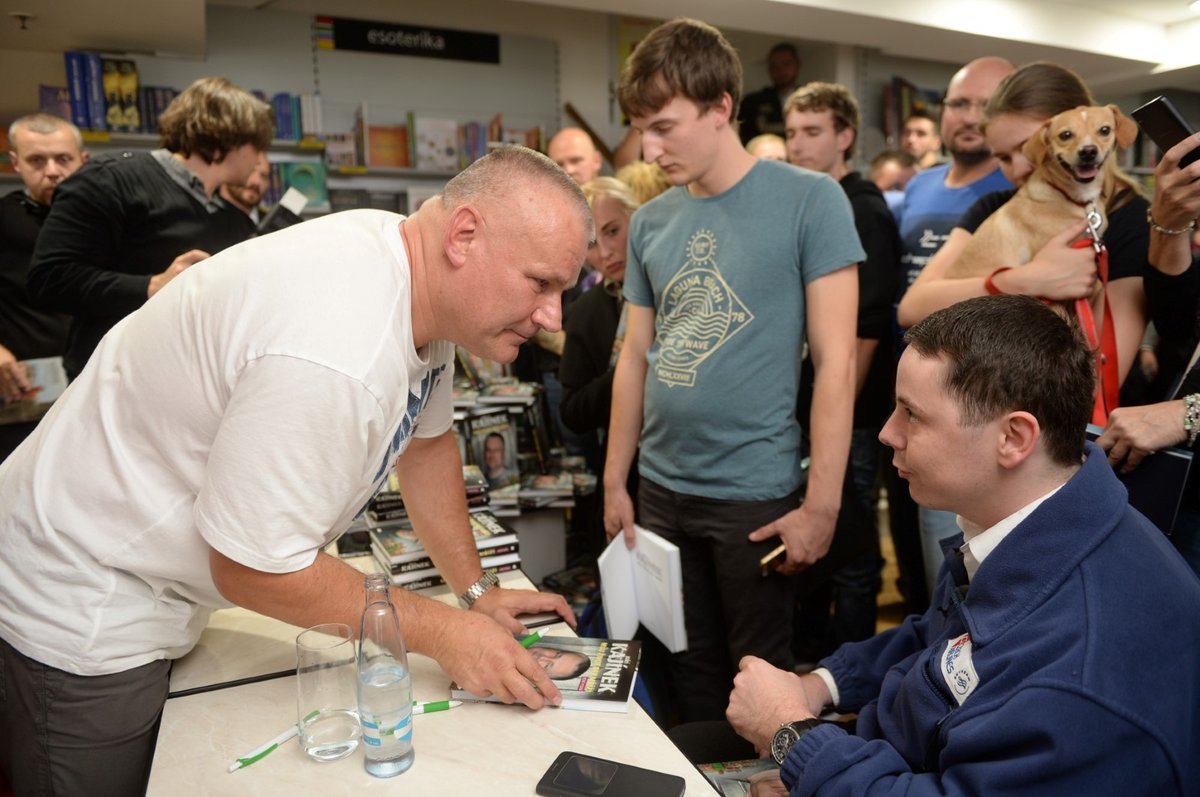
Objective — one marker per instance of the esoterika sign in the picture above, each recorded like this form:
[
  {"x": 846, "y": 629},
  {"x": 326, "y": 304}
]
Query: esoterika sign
[{"x": 337, "y": 33}]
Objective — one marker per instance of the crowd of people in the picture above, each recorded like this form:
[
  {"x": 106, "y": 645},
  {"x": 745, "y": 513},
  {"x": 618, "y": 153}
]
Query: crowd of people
[{"x": 747, "y": 337}]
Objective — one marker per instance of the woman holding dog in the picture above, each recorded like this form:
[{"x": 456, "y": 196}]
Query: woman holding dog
[{"x": 1021, "y": 104}]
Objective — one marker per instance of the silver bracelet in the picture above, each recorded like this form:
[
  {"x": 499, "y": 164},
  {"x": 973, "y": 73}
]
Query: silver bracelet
[
  {"x": 1167, "y": 230},
  {"x": 1191, "y": 417}
]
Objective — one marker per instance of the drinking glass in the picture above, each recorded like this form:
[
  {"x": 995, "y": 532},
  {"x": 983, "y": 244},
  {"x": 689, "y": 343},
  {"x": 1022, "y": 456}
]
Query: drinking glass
[{"x": 325, "y": 697}]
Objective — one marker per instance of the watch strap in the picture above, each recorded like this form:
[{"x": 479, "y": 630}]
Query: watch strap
[{"x": 476, "y": 590}]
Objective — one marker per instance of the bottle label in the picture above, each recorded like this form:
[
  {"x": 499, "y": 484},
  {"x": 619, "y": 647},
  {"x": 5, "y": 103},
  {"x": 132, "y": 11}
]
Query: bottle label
[{"x": 376, "y": 736}]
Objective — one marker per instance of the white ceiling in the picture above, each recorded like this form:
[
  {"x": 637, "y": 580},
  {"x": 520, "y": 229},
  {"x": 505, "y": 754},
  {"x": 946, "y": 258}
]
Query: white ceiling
[{"x": 1118, "y": 45}]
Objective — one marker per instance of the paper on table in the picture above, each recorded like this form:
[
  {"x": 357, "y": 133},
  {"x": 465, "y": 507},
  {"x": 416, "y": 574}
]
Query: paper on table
[{"x": 643, "y": 585}]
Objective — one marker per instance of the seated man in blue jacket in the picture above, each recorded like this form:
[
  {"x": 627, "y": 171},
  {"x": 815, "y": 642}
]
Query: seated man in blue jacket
[{"x": 1059, "y": 655}]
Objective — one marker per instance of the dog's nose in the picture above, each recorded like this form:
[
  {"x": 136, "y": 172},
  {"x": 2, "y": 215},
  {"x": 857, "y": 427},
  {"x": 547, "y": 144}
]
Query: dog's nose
[{"x": 1088, "y": 154}]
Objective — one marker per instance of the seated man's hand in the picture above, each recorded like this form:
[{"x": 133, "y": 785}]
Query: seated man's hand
[
  {"x": 765, "y": 697},
  {"x": 767, "y": 784},
  {"x": 503, "y": 606},
  {"x": 484, "y": 659}
]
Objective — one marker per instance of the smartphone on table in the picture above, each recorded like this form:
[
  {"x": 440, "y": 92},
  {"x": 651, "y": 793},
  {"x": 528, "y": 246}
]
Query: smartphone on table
[
  {"x": 577, "y": 775},
  {"x": 1165, "y": 125}
]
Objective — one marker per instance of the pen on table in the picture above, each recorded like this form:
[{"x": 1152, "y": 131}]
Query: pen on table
[
  {"x": 438, "y": 705},
  {"x": 262, "y": 750},
  {"x": 529, "y": 640}
]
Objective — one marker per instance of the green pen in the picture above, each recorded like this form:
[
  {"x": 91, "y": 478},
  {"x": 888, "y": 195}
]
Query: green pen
[
  {"x": 437, "y": 705},
  {"x": 529, "y": 640},
  {"x": 263, "y": 750}
]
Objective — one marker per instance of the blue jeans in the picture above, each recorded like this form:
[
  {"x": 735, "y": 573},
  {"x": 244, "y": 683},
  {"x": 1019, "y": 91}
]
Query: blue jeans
[{"x": 856, "y": 586}]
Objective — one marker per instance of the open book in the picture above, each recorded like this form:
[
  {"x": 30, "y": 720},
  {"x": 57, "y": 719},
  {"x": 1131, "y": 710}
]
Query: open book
[
  {"x": 592, "y": 674},
  {"x": 643, "y": 585}
]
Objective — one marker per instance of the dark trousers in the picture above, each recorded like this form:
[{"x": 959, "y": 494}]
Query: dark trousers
[
  {"x": 730, "y": 609},
  {"x": 66, "y": 734}
]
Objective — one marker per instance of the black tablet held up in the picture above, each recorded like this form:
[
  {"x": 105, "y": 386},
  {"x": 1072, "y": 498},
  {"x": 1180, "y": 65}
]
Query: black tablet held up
[{"x": 1161, "y": 120}]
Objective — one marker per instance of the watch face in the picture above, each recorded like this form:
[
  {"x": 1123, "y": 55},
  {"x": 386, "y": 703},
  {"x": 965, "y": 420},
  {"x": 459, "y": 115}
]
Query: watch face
[{"x": 782, "y": 741}]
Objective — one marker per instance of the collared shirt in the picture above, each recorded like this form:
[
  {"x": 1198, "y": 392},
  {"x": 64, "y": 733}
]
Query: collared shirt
[
  {"x": 980, "y": 542},
  {"x": 187, "y": 180}
]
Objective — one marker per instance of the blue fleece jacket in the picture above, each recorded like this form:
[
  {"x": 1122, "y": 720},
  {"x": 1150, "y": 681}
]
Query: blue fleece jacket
[{"x": 1070, "y": 667}]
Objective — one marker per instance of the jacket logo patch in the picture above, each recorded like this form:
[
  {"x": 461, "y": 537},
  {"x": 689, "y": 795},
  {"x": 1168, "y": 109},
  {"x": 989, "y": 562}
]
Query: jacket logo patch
[{"x": 957, "y": 668}]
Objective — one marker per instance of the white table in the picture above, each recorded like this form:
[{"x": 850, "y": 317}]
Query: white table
[{"x": 476, "y": 749}]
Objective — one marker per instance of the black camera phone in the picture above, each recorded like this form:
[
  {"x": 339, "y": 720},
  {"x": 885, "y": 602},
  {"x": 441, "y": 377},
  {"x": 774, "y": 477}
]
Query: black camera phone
[
  {"x": 577, "y": 775},
  {"x": 1161, "y": 120}
]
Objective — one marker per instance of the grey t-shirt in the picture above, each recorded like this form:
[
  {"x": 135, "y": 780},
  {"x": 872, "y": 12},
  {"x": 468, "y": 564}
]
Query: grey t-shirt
[{"x": 726, "y": 276}]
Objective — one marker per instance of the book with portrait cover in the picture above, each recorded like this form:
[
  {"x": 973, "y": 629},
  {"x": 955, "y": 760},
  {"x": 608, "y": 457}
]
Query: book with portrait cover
[
  {"x": 732, "y": 778},
  {"x": 592, "y": 674}
]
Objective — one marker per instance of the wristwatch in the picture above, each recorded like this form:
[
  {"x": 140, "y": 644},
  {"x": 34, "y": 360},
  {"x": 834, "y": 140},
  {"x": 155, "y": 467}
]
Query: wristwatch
[
  {"x": 476, "y": 590},
  {"x": 788, "y": 734}
]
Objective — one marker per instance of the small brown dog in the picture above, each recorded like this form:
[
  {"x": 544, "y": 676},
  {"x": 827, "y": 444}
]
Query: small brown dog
[{"x": 1072, "y": 156}]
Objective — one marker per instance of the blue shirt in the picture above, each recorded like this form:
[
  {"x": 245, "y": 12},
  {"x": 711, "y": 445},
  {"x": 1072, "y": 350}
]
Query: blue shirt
[{"x": 931, "y": 211}]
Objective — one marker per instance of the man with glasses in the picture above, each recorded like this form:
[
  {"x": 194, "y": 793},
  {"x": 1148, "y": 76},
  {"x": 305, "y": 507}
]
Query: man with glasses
[{"x": 933, "y": 202}]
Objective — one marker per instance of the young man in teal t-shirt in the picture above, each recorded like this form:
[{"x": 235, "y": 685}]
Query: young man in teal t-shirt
[{"x": 721, "y": 271}]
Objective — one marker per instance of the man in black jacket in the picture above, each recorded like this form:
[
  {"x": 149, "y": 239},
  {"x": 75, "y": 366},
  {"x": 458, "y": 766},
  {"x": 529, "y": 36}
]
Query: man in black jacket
[
  {"x": 822, "y": 121},
  {"x": 762, "y": 111},
  {"x": 129, "y": 223},
  {"x": 46, "y": 149}
]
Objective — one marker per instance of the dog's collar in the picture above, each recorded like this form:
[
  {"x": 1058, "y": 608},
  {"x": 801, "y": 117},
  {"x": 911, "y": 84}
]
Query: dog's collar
[{"x": 1069, "y": 198}]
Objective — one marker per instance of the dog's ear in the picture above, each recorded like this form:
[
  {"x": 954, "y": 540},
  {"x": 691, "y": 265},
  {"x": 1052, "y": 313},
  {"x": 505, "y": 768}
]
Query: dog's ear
[
  {"x": 1126, "y": 128},
  {"x": 1037, "y": 145}
]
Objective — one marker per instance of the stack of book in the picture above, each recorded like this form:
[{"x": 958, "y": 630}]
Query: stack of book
[{"x": 397, "y": 548}]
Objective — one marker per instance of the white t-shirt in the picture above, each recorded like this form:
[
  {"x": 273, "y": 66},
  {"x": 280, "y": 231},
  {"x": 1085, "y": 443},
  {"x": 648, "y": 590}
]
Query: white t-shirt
[{"x": 254, "y": 405}]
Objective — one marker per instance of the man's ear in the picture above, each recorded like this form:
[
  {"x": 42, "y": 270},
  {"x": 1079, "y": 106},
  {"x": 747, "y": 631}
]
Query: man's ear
[
  {"x": 1019, "y": 434},
  {"x": 1038, "y": 144},
  {"x": 1126, "y": 128},
  {"x": 462, "y": 230},
  {"x": 14, "y": 161},
  {"x": 84, "y": 157},
  {"x": 723, "y": 108}
]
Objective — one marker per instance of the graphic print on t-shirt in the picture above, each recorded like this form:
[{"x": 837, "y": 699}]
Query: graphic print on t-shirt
[
  {"x": 408, "y": 425},
  {"x": 699, "y": 314}
]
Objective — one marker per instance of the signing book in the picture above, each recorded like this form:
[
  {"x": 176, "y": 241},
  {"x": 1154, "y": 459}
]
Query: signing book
[{"x": 592, "y": 674}]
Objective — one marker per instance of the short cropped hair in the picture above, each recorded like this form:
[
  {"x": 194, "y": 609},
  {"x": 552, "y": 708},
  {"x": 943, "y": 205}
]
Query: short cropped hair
[
  {"x": 213, "y": 117},
  {"x": 832, "y": 97},
  {"x": 43, "y": 124},
  {"x": 491, "y": 178},
  {"x": 645, "y": 180},
  {"x": 685, "y": 58},
  {"x": 1013, "y": 353}
]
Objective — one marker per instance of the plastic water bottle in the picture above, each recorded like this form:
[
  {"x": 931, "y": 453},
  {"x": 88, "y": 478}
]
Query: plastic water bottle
[{"x": 384, "y": 684}]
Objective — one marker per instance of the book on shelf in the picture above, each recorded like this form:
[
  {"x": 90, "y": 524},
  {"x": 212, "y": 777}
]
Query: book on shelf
[
  {"x": 494, "y": 447},
  {"x": 47, "y": 379},
  {"x": 397, "y": 544},
  {"x": 495, "y": 563},
  {"x": 93, "y": 79},
  {"x": 76, "y": 88},
  {"x": 54, "y": 100},
  {"x": 591, "y": 674},
  {"x": 120, "y": 83},
  {"x": 489, "y": 556},
  {"x": 435, "y": 579},
  {"x": 509, "y": 391},
  {"x": 644, "y": 585},
  {"x": 554, "y": 485},
  {"x": 434, "y": 143},
  {"x": 732, "y": 778},
  {"x": 307, "y": 177}
]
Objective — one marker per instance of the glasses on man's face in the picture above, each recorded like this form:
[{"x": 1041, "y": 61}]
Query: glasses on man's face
[{"x": 961, "y": 104}]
